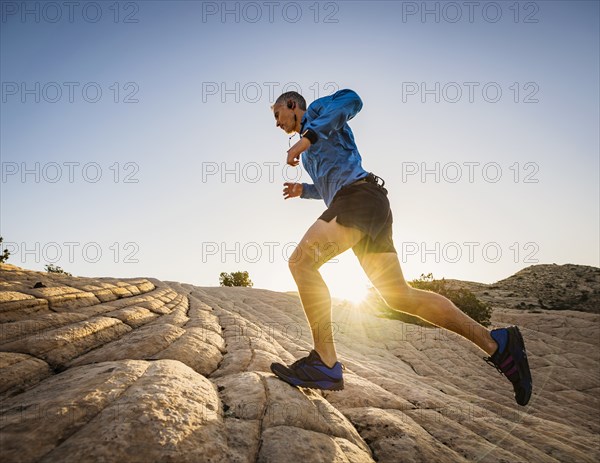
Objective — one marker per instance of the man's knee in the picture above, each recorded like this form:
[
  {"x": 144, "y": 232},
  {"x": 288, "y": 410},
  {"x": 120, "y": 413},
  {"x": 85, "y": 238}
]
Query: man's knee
[{"x": 302, "y": 261}]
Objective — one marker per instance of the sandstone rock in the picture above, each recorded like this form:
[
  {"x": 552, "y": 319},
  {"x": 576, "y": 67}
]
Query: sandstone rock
[
  {"x": 196, "y": 302},
  {"x": 177, "y": 317},
  {"x": 203, "y": 319},
  {"x": 288, "y": 406},
  {"x": 281, "y": 442},
  {"x": 170, "y": 413},
  {"x": 22, "y": 329},
  {"x": 36, "y": 422},
  {"x": 62, "y": 298},
  {"x": 193, "y": 349},
  {"x": 394, "y": 436},
  {"x": 149, "y": 300},
  {"x": 20, "y": 371},
  {"x": 133, "y": 316},
  {"x": 13, "y": 296},
  {"x": 60, "y": 345},
  {"x": 143, "y": 343},
  {"x": 16, "y": 306},
  {"x": 167, "y": 371},
  {"x": 243, "y": 440},
  {"x": 146, "y": 411},
  {"x": 104, "y": 292},
  {"x": 244, "y": 395},
  {"x": 360, "y": 392},
  {"x": 234, "y": 362}
]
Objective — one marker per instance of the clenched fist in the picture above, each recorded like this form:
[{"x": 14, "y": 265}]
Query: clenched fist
[
  {"x": 293, "y": 154},
  {"x": 291, "y": 190}
]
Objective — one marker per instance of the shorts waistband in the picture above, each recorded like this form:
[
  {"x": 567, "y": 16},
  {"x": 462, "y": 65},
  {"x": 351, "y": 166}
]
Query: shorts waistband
[
  {"x": 370, "y": 178},
  {"x": 358, "y": 182}
]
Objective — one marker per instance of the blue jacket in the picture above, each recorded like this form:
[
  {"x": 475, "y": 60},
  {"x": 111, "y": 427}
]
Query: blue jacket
[{"x": 333, "y": 161}]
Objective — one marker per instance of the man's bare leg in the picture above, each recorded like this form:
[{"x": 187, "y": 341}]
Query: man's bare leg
[
  {"x": 383, "y": 269},
  {"x": 322, "y": 242}
]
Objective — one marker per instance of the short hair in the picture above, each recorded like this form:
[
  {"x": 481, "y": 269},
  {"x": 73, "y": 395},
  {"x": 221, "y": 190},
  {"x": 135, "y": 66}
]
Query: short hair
[{"x": 294, "y": 96}]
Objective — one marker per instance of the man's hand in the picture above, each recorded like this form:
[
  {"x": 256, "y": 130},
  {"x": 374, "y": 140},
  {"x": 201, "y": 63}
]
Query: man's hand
[
  {"x": 291, "y": 190},
  {"x": 295, "y": 151}
]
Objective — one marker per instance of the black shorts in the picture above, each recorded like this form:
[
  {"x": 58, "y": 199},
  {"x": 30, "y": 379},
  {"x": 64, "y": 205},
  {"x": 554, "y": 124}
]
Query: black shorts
[{"x": 364, "y": 206}]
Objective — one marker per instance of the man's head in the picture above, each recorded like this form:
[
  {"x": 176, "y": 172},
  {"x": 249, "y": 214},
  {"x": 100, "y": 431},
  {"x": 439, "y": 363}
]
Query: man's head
[{"x": 288, "y": 111}]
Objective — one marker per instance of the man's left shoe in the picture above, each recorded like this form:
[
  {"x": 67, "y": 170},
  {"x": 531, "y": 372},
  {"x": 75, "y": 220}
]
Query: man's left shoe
[
  {"x": 311, "y": 372},
  {"x": 512, "y": 362}
]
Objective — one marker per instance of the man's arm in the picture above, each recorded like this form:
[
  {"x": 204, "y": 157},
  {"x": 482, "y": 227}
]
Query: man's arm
[
  {"x": 304, "y": 190},
  {"x": 310, "y": 192},
  {"x": 342, "y": 107}
]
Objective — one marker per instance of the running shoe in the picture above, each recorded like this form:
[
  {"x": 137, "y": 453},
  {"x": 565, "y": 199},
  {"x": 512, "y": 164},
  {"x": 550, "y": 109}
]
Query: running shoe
[
  {"x": 312, "y": 373},
  {"x": 511, "y": 360}
]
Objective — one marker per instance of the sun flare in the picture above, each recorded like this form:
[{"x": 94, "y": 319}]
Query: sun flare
[
  {"x": 346, "y": 279},
  {"x": 355, "y": 294}
]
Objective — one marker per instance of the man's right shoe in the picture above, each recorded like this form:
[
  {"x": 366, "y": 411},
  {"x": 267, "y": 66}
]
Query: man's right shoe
[
  {"x": 512, "y": 362},
  {"x": 312, "y": 373}
]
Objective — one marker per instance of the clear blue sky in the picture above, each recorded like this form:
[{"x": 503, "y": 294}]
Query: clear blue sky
[{"x": 135, "y": 172}]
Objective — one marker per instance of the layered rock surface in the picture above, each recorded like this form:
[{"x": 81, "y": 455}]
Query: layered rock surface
[
  {"x": 544, "y": 286},
  {"x": 144, "y": 370}
]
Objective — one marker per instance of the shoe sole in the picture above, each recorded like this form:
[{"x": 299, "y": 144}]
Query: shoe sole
[
  {"x": 518, "y": 351},
  {"x": 324, "y": 386}
]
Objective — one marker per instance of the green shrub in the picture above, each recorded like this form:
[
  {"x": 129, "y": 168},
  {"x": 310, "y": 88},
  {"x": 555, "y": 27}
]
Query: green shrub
[
  {"x": 51, "y": 268},
  {"x": 4, "y": 254},
  {"x": 235, "y": 279}
]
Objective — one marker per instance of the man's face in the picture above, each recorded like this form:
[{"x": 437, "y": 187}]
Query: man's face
[{"x": 284, "y": 118}]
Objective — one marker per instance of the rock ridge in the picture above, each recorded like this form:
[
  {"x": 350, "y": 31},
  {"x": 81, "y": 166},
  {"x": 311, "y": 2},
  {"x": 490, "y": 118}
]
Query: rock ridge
[{"x": 104, "y": 369}]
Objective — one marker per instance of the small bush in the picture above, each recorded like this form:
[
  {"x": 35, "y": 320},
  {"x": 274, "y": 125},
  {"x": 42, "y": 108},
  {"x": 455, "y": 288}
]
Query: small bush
[
  {"x": 462, "y": 298},
  {"x": 235, "y": 279},
  {"x": 51, "y": 268},
  {"x": 4, "y": 255}
]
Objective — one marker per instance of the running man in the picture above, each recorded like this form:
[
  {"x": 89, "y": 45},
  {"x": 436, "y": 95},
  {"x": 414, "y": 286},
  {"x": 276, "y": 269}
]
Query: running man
[{"x": 358, "y": 216}]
